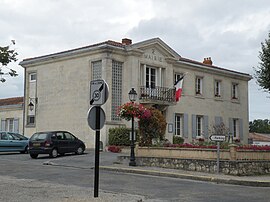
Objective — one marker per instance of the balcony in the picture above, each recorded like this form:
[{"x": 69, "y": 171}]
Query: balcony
[{"x": 157, "y": 96}]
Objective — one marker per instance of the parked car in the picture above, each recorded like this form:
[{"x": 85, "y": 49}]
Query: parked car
[
  {"x": 54, "y": 143},
  {"x": 13, "y": 142}
]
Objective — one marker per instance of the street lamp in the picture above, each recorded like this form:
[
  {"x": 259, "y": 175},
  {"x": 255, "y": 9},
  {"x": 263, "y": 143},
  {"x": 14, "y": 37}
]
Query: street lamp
[
  {"x": 132, "y": 97},
  {"x": 32, "y": 102}
]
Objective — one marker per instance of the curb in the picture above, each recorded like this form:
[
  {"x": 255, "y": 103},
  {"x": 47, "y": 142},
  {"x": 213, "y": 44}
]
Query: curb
[{"x": 188, "y": 176}]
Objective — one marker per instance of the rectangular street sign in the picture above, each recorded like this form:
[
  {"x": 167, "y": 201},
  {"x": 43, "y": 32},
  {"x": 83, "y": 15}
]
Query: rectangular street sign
[{"x": 218, "y": 138}]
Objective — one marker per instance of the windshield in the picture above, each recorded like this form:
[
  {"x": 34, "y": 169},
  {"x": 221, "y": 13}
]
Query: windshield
[{"x": 39, "y": 136}]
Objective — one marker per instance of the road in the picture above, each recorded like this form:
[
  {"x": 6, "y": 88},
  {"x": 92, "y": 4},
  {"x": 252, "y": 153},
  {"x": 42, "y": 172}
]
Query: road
[{"x": 77, "y": 172}]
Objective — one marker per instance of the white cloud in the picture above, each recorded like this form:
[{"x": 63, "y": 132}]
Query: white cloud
[{"x": 229, "y": 31}]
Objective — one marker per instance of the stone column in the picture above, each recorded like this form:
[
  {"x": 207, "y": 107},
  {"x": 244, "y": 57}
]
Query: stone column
[{"x": 233, "y": 152}]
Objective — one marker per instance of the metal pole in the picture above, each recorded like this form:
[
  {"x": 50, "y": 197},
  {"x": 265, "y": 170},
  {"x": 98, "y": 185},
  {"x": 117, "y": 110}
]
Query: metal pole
[
  {"x": 218, "y": 154},
  {"x": 132, "y": 153},
  {"x": 97, "y": 152}
]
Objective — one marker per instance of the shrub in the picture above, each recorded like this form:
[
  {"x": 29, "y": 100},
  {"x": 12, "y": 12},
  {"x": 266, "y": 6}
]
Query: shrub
[
  {"x": 152, "y": 127},
  {"x": 119, "y": 136},
  {"x": 178, "y": 140},
  {"x": 114, "y": 149}
]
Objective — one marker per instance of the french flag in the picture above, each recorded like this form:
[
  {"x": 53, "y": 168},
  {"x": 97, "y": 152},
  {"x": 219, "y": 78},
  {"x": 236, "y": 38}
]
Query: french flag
[{"x": 178, "y": 88}]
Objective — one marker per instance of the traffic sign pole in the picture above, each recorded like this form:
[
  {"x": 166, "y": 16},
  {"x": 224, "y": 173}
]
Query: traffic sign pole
[
  {"x": 218, "y": 156},
  {"x": 96, "y": 183}
]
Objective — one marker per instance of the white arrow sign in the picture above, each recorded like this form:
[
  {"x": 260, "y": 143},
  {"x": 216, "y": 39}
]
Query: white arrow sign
[{"x": 218, "y": 138}]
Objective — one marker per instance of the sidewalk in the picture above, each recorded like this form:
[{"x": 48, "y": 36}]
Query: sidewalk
[
  {"x": 108, "y": 161},
  {"x": 257, "y": 181}
]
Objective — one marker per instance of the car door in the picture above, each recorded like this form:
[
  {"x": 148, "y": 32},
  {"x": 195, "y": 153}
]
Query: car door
[
  {"x": 72, "y": 143},
  {"x": 62, "y": 143},
  {"x": 3, "y": 142},
  {"x": 14, "y": 142}
]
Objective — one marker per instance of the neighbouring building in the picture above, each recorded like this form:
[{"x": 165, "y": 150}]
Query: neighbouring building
[
  {"x": 259, "y": 139},
  {"x": 58, "y": 88},
  {"x": 11, "y": 114}
]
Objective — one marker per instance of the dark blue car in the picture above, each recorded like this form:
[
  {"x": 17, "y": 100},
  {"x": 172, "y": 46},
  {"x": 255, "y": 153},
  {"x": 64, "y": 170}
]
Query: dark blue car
[{"x": 13, "y": 142}]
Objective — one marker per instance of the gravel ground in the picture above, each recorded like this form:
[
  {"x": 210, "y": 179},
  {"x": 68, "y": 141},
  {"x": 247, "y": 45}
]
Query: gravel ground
[{"x": 18, "y": 190}]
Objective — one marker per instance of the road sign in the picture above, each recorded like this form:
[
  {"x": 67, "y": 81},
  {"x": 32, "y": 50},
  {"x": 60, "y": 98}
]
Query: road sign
[
  {"x": 218, "y": 138},
  {"x": 99, "y": 92},
  {"x": 92, "y": 118}
]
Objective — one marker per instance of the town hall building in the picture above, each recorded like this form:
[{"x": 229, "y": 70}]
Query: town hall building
[{"x": 57, "y": 90}]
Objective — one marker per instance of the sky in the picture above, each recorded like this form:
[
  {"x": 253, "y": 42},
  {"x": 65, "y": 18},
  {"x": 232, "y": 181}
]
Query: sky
[{"x": 230, "y": 32}]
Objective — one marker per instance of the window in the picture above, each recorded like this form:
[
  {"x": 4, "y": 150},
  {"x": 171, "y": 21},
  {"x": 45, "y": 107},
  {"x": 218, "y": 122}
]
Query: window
[
  {"x": 30, "y": 120},
  {"x": 69, "y": 136},
  {"x": 10, "y": 125},
  {"x": 150, "y": 77},
  {"x": 178, "y": 125},
  {"x": 217, "y": 88},
  {"x": 198, "y": 86},
  {"x": 116, "y": 89},
  {"x": 96, "y": 70},
  {"x": 32, "y": 77},
  {"x": 235, "y": 128},
  {"x": 199, "y": 126},
  {"x": 60, "y": 136},
  {"x": 234, "y": 91}
]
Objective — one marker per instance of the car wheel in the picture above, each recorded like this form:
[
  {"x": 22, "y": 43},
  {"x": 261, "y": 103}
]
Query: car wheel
[
  {"x": 54, "y": 153},
  {"x": 34, "y": 156},
  {"x": 79, "y": 150}
]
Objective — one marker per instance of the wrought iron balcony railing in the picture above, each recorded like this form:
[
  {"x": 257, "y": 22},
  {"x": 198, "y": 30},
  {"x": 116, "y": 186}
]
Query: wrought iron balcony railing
[{"x": 159, "y": 94}]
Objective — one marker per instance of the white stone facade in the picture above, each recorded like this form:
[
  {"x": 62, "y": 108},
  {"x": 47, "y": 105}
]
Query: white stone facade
[
  {"x": 59, "y": 87},
  {"x": 11, "y": 114}
]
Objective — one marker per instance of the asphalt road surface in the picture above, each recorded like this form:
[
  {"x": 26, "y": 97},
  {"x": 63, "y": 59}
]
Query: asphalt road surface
[{"x": 72, "y": 179}]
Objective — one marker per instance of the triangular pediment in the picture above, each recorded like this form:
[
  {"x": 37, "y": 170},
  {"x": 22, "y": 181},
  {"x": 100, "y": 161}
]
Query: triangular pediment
[{"x": 155, "y": 48}]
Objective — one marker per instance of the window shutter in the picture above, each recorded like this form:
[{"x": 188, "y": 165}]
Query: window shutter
[
  {"x": 231, "y": 125},
  {"x": 241, "y": 129},
  {"x": 185, "y": 129},
  {"x": 193, "y": 126},
  {"x": 205, "y": 125},
  {"x": 16, "y": 125},
  {"x": 3, "y": 125}
]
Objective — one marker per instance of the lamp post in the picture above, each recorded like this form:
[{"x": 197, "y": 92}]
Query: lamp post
[
  {"x": 33, "y": 102},
  {"x": 132, "y": 97}
]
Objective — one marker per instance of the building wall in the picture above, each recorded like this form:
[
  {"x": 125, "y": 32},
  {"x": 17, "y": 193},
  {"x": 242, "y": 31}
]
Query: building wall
[
  {"x": 63, "y": 90},
  {"x": 12, "y": 112}
]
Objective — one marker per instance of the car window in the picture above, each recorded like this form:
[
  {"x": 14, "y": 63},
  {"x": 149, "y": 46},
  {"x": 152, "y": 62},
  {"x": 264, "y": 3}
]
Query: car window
[
  {"x": 69, "y": 136},
  {"x": 60, "y": 136},
  {"x": 53, "y": 137},
  {"x": 21, "y": 137},
  {"x": 39, "y": 136},
  {"x": 12, "y": 136},
  {"x": 3, "y": 136}
]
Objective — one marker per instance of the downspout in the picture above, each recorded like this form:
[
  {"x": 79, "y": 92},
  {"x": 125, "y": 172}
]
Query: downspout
[{"x": 24, "y": 100}]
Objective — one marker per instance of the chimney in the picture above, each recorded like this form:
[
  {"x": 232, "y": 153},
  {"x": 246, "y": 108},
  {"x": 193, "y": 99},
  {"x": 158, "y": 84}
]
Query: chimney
[
  {"x": 207, "y": 61},
  {"x": 126, "y": 41}
]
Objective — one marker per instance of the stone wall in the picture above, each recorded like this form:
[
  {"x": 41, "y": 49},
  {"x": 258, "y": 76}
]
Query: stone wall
[
  {"x": 240, "y": 168},
  {"x": 201, "y": 153}
]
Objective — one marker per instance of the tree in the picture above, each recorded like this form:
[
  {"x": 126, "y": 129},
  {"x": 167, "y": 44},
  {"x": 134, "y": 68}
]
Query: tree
[
  {"x": 262, "y": 74},
  {"x": 259, "y": 126},
  {"x": 7, "y": 55}
]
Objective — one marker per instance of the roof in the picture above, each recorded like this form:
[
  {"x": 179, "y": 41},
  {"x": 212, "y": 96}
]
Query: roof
[
  {"x": 260, "y": 137},
  {"x": 122, "y": 46},
  {"x": 109, "y": 42},
  {"x": 11, "y": 101}
]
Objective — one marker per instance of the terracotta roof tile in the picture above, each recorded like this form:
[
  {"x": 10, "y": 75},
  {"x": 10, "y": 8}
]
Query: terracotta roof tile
[
  {"x": 11, "y": 101},
  {"x": 259, "y": 137}
]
